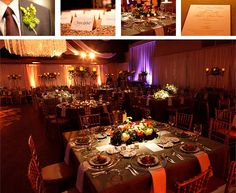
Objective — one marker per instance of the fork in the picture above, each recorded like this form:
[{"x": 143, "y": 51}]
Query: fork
[
  {"x": 131, "y": 171},
  {"x": 134, "y": 170}
]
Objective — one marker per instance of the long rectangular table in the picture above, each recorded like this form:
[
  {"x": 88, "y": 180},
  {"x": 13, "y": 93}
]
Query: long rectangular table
[{"x": 181, "y": 170}]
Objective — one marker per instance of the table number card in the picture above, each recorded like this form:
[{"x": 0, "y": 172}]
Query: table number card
[
  {"x": 109, "y": 19},
  {"x": 66, "y": 17},
  {"x": 83, "y": 23},
  {"x": 208, "y": 20}
]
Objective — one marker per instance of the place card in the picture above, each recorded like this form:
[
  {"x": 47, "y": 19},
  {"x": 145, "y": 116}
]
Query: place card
[
  {"x": 77, "y": 13},
  {"x": 83, "y": 23},
  {"x": 153, "y": 147},
  {"x": 109, "y": 19},
  {"x": 66, "y": 17},
  {"x": 207, "y": 20}
]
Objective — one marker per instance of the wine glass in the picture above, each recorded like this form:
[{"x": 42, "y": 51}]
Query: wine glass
[
  {"x": 197, "y": 130},
  {"x": 171, "y": 120}
]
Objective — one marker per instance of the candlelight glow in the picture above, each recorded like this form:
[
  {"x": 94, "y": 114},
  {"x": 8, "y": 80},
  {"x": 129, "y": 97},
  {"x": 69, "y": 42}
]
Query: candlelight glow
[
  {"x": 91, "y": 55},
  {"x": 83, "y": 55}
]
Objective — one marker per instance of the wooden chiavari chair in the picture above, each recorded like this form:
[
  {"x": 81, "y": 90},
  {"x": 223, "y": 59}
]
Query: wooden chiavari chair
[
  {"x": 231, "y": 179},
  {"x": 183, "y": 121},
  {"x": 88, "y": 121},
  {"x": 198, "y": 184}
]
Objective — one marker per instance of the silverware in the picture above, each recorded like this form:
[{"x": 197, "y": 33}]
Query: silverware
[
  {"x": 170, "y": 160},
  {"x": 134, "y": 170},
  {"x": 131, "y": 171}
]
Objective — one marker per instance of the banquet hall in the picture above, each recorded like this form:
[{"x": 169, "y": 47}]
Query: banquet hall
[{"x": 100, "y": 116}]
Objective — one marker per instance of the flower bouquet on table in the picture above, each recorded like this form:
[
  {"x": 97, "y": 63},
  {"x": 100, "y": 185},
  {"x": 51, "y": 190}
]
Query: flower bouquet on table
[
  {"x": 161, "y": 94},
  {"x": 134, "y": 131},
  {"x": 170, "y": 88}
]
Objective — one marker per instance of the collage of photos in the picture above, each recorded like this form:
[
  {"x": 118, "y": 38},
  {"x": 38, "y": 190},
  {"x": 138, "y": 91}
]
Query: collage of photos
[{"x": 117, "y": 96}]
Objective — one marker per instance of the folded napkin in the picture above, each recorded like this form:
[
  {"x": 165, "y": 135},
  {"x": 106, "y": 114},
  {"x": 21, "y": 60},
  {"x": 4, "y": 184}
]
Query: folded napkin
[
  {"x": 80, "y": 176},
  {"x": 159, "y": 31},
  {"x": 158, "y": 180},
  {"x": 63, "y": 112},
  {"x": 67, "y": 153},
  {"x": 203, "y": 160}
]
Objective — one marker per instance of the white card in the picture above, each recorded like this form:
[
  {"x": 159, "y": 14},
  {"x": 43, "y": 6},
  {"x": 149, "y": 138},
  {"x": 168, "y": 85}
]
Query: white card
[
  {"x": 109, "y": 19},
  {"x": 153, "y": 147},
  {"x": 83, "y": 23},
  {"x": 208, "y": 20},
  {"x": 77, "y": 13},
  {"x": 66, "y": 17},
  {"x": 163, "y": 132}
]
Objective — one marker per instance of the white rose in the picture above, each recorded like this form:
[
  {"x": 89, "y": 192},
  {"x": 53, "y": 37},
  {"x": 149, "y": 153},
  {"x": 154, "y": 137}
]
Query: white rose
[
  {"x": 148, "y": 131},
  {"x": 125, "y": 137}
]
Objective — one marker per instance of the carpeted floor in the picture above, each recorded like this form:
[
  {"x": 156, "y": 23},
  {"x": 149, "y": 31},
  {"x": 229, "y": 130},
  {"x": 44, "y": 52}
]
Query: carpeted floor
[{"x": 16, "y": 124}]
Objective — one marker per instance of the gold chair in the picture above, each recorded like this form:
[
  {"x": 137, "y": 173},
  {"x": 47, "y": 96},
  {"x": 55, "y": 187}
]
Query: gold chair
[
  {"x": 198, "y": 184},
  {"x": 221, "y": 131},
  {"x": 55, "y": 173},
  {"x": 87, "y": 121},
  {"x": 34, "y": 177},
  {"x": 224, "y": 115},
  {"x": 231, "y": 179},
  {"x": 183, "y": 121}
]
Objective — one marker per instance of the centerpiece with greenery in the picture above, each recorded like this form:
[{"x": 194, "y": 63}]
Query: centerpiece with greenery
[{"x": 134, "y": 131}]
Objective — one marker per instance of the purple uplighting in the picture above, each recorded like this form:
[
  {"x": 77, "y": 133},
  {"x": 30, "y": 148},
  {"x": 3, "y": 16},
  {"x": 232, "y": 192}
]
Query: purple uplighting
[{"x": 141, "y": 59}]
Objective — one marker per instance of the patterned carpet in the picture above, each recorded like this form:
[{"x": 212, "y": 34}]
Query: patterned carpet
[{"x": 8, "y": 116}]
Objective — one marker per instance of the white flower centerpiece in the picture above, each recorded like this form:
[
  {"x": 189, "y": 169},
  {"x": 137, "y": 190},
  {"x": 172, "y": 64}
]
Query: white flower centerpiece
[
  {"x": 161, "y": 94},
  {"x": 171, "y": 89}
]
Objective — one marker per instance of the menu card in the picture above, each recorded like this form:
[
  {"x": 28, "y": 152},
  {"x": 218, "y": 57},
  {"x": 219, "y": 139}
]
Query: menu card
[{"x": 208, "y": 20}]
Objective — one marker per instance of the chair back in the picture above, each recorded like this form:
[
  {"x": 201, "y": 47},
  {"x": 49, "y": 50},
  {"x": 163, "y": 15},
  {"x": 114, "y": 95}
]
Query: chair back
[
  {"x": 117, "y": 116},
  {"x": 35, "y": 177},
  {"x": 223, "y": 115},
  {"x": 219, "y": 130},
  {"x": 224, "y": 103},
  {"x": 231, "y": 177},
  {"x": 92, "y": 120},
  {"x": 32, "y": 149},
  {"x": 198, "y": 184},
  {"x": 184, "y": 121}
]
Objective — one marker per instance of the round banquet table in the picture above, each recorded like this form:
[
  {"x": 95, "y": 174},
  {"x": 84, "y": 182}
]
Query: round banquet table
[{"x": 72, "y": 111}]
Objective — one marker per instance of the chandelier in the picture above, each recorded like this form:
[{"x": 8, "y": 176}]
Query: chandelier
[{"x": 36, "y": 48}]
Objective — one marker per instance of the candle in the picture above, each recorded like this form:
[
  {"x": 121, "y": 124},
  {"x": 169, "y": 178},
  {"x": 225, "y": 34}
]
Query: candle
[
  {"x": 94, "y": 69},
  {"x": 81, "y": 68}
]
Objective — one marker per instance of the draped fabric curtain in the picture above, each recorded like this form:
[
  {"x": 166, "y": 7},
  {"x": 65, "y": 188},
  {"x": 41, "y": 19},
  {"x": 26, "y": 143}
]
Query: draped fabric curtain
[
  {"x": 187, "y": 69},
  {"x": 141, "y": 59},
  {"x": 30, "y": 75}
]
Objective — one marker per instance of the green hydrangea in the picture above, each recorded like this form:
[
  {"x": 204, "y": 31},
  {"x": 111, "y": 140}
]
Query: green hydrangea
[{"x": 29, "y": 17}]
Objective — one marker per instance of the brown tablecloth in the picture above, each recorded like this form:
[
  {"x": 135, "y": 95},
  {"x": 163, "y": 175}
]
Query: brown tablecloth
[{"x": 126, "y": 182}]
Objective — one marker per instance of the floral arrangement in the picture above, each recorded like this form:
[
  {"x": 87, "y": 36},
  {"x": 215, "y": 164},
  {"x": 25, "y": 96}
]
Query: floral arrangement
[
  {"x": 14, "y": 76},
  {"x": 57, "y": 94},
  {"x": 161, "y": 94},
  {"x": 144, "y": 11},
  {"x": 134, "y": 131},
  {"x": 29, "y": 17},
  {"x": 171, "y": 89}
]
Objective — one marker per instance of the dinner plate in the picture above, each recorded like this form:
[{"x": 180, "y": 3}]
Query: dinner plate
[
  {"x": 101, "y": 136},
  {"x": 99, "y": 161},
  {"x": 189, "y": 148},
  {"x": 182, "y": 134},
  {"x": 83, "y": 140},
  {"x": 162, "y": 140},
  {"x": 112, "y": 150},
  {"x": 128, "y": 153},
  {"x": 139, "y": 20},
  {"x": 166, "y": 145},
  {"x": 147, "y": 160},
  {"x": 174, "y": 139}
]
